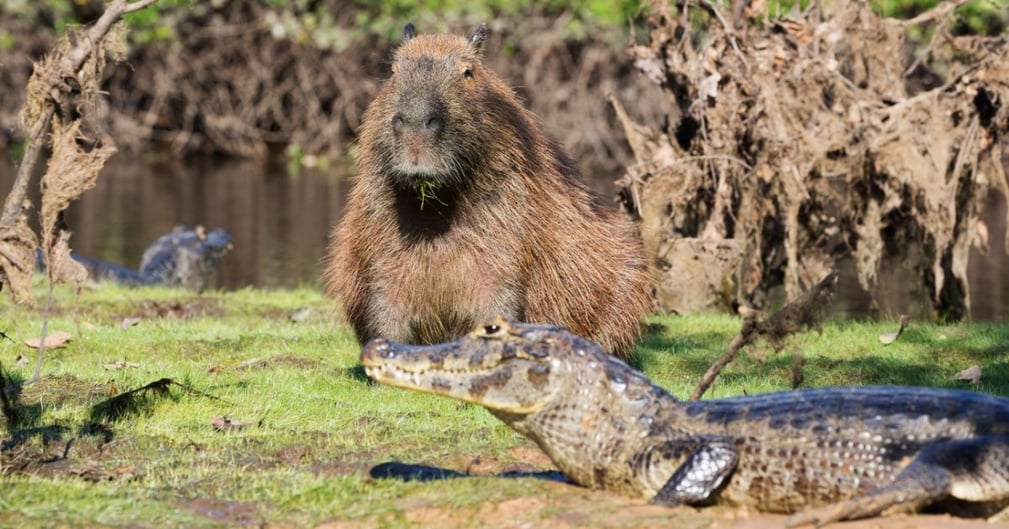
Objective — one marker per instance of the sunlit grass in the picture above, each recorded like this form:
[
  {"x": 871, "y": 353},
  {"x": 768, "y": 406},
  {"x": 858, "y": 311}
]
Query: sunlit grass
[{"x": 314, "y": 427}]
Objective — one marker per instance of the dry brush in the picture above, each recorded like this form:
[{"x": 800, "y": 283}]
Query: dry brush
[{"x": 793, "y": 144}]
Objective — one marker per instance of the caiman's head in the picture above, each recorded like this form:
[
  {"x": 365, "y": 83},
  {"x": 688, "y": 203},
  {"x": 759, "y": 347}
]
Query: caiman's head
[{"x": 508, "y": 367}]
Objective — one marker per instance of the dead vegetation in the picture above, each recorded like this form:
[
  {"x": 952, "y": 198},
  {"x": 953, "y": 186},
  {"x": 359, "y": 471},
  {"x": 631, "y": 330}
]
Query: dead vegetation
[
  {"x": 793, "y": 144},
  {"x": 59, "y": 114},
  {"x": 226, "y": 83}
]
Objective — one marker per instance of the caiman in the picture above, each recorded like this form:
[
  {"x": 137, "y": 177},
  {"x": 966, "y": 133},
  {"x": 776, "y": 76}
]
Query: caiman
[
  {"x": 824, "y": 454},
  {"x": 183, "y": 257}
]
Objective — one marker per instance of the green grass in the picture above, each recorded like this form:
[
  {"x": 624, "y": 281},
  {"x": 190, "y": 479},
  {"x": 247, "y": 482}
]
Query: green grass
[{"x": 315, "y": 427}]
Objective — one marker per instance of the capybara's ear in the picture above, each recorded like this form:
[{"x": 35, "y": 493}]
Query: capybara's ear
[
  {"x": 478, "y": 36},
  {"x": 408, "y": 32}
]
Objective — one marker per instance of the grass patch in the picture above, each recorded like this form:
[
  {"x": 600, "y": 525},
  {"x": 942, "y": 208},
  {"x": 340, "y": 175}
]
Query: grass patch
[{"x": 307, "y": 428}]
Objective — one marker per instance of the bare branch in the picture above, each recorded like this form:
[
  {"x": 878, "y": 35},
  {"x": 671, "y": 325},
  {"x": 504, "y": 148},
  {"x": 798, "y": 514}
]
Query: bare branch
[
  {"x": 941, "y": 10},
  {"x": 138, "y": 5},
  {"x": 806, "y": 311},
  {"x": 15, "y": 200},
  {"x": 746, "y": 337},
  {"x": 14, "y": 204}
]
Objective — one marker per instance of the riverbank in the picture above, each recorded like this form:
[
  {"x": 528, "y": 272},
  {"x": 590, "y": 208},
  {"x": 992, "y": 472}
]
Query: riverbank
[{"x": 256, "y": 412}]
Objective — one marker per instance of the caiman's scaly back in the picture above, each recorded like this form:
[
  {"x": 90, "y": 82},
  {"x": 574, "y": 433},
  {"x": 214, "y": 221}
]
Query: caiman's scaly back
[{"x": 832, "y": 453}]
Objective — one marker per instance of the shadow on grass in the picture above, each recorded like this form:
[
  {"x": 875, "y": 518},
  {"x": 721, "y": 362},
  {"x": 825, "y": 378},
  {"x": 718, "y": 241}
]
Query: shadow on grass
[
  {"x": 18, "y": 415},
  {"x": 23, "y": 425},
  {"x": 47, "y": 434},
  {"x": 141, "y": 400},
  {"x": 357, "y": 373},
  {"x": 132, "y": 402},
  {"x": 410, "y": 472}
]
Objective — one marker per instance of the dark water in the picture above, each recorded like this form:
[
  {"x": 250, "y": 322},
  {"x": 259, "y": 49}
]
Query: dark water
[
  {"x": 279, "y": 220},
  {"x": 280, "y": 223}
]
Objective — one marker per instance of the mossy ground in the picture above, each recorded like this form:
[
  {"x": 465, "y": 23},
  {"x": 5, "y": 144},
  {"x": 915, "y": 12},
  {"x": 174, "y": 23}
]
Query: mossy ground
[{"x": 315, "y": 430}]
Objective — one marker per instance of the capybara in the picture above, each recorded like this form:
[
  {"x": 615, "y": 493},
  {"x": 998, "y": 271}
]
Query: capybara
[{"x": 463, "y": 210}]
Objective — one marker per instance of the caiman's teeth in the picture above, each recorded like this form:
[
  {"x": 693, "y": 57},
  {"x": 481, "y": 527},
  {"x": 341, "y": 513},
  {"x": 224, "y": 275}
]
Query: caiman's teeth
[{"x": 406, "y": 371}]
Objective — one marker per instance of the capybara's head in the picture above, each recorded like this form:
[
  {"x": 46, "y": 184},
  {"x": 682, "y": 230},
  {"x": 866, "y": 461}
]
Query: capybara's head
[{"x": 431, "y": 118}]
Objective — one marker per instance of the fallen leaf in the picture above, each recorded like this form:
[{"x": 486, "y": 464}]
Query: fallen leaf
[
  {"x": 129, "y": 322},
  {"x": 226, "y": 423},
  {"x": 56, "y": 339},
  {"x": 890, "y": 337},
  {"x": 972, "y": 374}
]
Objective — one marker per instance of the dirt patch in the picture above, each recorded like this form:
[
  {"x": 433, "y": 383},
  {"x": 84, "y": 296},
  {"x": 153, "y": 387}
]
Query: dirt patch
[
  {"x": 288, "y": 361},
  {"x": 567, "y": 506},
  {"x": 239, "y": 513},
  {"x": 52, "y": 452},
  {"x": 551, "y": 502},
  {"x": 527, "y": 459},
  {"x": 346, "y": 464}
]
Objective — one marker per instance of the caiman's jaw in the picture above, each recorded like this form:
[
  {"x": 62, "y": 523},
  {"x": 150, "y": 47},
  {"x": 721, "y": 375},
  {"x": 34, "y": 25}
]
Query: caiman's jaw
[{"x": 496, "y": 366}]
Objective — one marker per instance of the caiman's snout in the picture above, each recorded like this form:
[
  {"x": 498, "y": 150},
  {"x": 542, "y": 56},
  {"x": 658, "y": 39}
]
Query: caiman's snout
[
  {"x": 377, "y": 356},
  {"x": 382, "y": 353},
  {"x": 486, "y": 367},
  {"x": 376, "y": 349}
]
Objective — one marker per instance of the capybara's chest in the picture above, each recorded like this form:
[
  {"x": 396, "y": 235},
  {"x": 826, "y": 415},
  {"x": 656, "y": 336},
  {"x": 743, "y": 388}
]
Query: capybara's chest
[{"x": 435, "y": 280}]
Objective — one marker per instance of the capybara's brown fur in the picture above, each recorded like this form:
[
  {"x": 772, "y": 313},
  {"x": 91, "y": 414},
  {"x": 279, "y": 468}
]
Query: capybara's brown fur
[{"x": 464, "y": 210}]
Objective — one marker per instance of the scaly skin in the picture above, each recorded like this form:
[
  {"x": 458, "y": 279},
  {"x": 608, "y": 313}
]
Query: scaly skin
[
  {"x": 828, "y": 454},
  {"x": 181, "y": 258}
]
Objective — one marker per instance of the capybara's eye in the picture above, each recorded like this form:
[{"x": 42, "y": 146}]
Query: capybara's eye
[
  {"x": 468, "y": 73},
  {"x": 491, "y": 329}
]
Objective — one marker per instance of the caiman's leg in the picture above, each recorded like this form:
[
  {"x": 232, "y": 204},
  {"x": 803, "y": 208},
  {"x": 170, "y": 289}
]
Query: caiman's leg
[
  {"x": 974, "y": 470},
  {"x": 703, "y": 471}
]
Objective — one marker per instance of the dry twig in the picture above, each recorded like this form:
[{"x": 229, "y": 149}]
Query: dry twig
[{"x": 804, "y": 312}]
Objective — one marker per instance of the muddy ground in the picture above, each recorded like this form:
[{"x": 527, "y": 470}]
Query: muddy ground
[
  {"x": 562, "y": 505},
  {"x": 549, "y": 502}
]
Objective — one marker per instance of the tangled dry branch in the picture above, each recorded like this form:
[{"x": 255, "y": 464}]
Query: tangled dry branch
[
  {"x": 794, "y": 143},
  {"x": 62, "y": 98}
]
